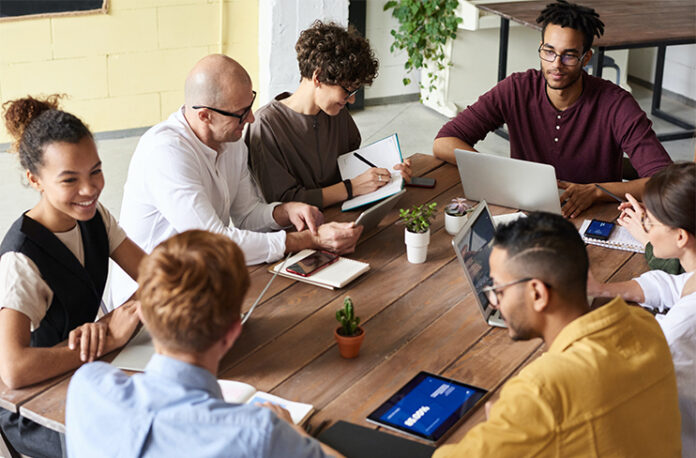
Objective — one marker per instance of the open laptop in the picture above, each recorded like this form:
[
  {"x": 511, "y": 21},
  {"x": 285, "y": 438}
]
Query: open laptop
[
  {"x": 472, "y": 245},
  {"x": 371, "y": 217},
  {"x": 508, "y": 182}
]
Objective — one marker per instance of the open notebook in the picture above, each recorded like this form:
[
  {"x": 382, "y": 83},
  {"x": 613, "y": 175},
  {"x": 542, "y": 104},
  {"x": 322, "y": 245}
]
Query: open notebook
[
  {"x": 620, "y": 239},
  {"x": 385, "y": 153},
  {"x": 137, "y": 353},
  {"x": 242, "y": 393},
  {"x": 336, "y": 275}
]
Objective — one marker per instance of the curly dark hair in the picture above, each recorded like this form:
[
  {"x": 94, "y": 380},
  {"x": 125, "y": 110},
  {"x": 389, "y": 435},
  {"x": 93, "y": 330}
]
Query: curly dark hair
[
  {"x": 577, "y": 17},
  {"x": 35, "y": 123},
  {"x": 341, "y": 56}
]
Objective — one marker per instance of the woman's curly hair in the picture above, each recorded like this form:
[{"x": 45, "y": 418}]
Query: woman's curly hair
[
  {"x": 34, "y": 123},
  {"x": 341, "y": 56}
]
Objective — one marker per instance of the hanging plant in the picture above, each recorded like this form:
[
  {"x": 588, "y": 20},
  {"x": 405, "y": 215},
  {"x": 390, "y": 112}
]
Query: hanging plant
[{"x": 425, "y": 26}]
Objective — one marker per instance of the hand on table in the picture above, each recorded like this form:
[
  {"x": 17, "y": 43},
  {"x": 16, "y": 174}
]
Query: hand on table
[
  {"x": 282, "y": 413},
  {"x": 299, "y": 215},
  {"x": 121, "y": 325},
  {"x": 89, "y": 339},
  {"x": 576, "y": 198},
  {"x": 93, "y": 340},
  {"x": 370, "y": 180},
  {"x": 631, "y": 218},
  {"x": 405, "y": 169},
  {"x": 338, "y": 237}
]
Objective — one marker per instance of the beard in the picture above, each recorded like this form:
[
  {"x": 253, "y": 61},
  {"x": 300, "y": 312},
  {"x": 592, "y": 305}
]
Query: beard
[{"x": 571, "y": 77}]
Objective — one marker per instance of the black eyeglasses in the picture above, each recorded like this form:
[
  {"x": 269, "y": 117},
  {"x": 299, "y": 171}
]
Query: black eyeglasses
[
  {"x": 494, "y": 293},
  {"x": 569, "y": 60},
  {"x": 241, "y": 117},
  {"x": 349, "y": 94}
]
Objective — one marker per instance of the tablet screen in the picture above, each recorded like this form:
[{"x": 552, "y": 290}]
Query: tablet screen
[{"x": 428, "y": 406}]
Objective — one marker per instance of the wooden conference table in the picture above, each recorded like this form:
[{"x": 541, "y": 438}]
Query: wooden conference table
[
  {"x": 628, "y": 24},
  {"x": 416, "y": 317}
]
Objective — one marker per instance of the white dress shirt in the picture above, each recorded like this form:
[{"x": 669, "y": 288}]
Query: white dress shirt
[
  {"x": 664, "y": 292},
  {"x": 176, "y": 183}
]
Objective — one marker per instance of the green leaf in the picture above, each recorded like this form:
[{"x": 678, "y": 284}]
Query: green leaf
[{"x": 390, "y": 4}]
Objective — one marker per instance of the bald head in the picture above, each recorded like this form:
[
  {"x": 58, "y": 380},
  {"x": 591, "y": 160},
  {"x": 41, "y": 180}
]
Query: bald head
[{"x": 214, "y": 80}]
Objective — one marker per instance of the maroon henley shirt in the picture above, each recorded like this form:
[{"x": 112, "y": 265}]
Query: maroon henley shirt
[{"x": 584, "y": 143}]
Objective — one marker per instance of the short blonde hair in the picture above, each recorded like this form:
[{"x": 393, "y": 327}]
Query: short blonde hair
[{"x": 191, "y": 289}]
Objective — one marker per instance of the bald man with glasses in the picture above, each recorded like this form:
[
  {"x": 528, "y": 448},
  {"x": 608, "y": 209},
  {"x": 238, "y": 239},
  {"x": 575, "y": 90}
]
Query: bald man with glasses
[
  {"x": 190, "y": 172},
  {"x": 560, "y": 115}
]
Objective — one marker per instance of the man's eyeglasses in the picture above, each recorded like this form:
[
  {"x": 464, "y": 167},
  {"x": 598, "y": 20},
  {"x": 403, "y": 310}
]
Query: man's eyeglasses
[
  {"x": 349, "y": 94},
  {"x": 494, "y": 293},
  {"x": 241, "y": 117},
  {"x": 569, "y": 60}
]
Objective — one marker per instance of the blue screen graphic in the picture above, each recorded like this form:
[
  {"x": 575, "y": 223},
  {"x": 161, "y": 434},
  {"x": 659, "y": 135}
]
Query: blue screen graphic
[{"x": 427, "y": 406}]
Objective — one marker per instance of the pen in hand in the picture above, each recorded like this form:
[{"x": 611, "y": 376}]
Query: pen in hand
[
  {"x": 364, "y": 160},
  {"x": 619, "y": 199}
]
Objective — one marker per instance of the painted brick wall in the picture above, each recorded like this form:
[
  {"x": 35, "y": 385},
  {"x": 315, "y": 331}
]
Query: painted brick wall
[{"x": 124, "y": 69}]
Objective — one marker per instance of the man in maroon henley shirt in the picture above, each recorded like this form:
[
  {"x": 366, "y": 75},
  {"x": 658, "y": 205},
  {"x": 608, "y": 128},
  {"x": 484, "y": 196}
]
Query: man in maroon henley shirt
[{"x": 562, "y": 116}]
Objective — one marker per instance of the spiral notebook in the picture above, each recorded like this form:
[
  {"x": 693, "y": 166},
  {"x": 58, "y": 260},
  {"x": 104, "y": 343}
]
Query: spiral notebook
[{"x": 620, "y": 239}]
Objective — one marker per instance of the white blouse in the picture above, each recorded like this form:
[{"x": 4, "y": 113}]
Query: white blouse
[
  {"x": 663, "y": 292},
  {"x": 21, "y": 286}
]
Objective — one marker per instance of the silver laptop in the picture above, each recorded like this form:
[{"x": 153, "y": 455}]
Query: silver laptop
[
  {"x": 472, "y": 245},
  {"x": 508, "y": 182},
  {"x": 371, "y": 217}
]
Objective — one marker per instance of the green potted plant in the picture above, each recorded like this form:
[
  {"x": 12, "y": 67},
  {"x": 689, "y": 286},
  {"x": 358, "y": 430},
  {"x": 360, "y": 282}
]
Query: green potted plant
[
  {"x": 425, "y": 26},
  {"x": 456, "y": 213},
  {"x": 417, "y": 233},
  {"x": 349, "y": 335}
]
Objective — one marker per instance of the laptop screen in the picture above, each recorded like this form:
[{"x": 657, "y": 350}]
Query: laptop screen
[{"x": 475, "y": 247}]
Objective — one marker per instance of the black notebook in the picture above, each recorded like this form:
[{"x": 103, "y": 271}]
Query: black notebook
[{"x": 356, "y": 441}]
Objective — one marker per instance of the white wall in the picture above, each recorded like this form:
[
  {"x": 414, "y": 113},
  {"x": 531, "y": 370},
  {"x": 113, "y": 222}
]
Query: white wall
[
  {"x": 391, "y": 66},
  {"x": 680, "y": 68},
  {"x": 280, "y": 23}
]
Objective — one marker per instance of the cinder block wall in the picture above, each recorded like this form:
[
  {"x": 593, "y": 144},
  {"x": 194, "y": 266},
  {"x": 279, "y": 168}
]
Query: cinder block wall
[{"x": 124, "y": 69}]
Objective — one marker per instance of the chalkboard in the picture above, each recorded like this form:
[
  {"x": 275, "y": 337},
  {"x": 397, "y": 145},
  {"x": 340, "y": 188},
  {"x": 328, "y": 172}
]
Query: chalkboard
[{"x": 19, "y": 9}]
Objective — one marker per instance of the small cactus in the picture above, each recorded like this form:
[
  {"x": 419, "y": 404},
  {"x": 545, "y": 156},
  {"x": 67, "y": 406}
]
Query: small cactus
[{"x": 345, "y": 316}]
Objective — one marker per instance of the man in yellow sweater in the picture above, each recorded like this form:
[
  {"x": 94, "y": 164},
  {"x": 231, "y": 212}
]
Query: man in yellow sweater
[{"x": 606, "y": 385}]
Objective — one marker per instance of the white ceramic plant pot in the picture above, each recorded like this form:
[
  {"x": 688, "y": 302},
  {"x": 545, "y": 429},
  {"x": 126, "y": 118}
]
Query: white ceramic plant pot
[
  {"x": 417, "y": 245},
  {"x": 454, "y": 223}
]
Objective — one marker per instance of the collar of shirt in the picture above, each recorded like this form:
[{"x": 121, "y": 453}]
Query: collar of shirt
[
  {"x": 188, "y": 375},
  {"x": 589, "y": 323},
  {"x": 210, "y": 153}
]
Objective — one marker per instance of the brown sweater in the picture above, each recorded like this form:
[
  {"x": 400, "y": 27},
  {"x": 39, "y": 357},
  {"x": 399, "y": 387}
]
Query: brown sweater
[{"x": 292, "y": 155}]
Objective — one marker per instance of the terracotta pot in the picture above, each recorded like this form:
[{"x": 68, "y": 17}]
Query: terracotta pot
[{"x": 349, "y": 347}]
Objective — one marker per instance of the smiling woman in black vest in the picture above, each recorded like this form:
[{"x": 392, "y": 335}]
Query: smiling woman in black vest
[{"x": 54, "y": 263}]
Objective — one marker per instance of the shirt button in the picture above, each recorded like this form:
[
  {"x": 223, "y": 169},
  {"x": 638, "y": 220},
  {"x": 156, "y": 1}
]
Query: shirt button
[
  {"x": 558, "y": 127},
  {"x": 559, "y": 116},
  {"x": 555, "y": 139}
]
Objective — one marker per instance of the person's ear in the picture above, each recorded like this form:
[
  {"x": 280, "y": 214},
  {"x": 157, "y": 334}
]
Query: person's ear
[
  {"x": 204, "y": 116},
  {"x": 34, "y": 181},
  {"x": 683, "y": 238},
  {"x": 588, "y": 56},
  {"x": 315, "y": 78},
  {"x": 232, "y": 334},
  {"x": 539, "y": 294}
]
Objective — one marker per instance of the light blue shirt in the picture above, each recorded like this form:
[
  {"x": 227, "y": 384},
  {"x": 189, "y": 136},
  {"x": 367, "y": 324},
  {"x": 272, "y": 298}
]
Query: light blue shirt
[{"x": 173, "y": 409}]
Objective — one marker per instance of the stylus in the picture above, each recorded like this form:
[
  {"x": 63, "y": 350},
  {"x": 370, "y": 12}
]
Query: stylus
[
  {"x": 246, "y": 316},
  {"x": 364, "y": 160},
  {"x": 610, "y": 193}
]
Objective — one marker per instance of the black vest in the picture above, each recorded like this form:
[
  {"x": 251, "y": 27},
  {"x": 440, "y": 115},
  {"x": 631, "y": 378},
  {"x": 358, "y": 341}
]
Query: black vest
[{"x": 77, "y": 290}]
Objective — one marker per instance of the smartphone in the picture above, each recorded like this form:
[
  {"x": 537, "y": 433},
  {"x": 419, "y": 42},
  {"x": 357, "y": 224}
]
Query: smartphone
[
  {"x": 312, "y": 263},
  {"x": 422, "y": 182},
  {"x": 599, "y": 229}
]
